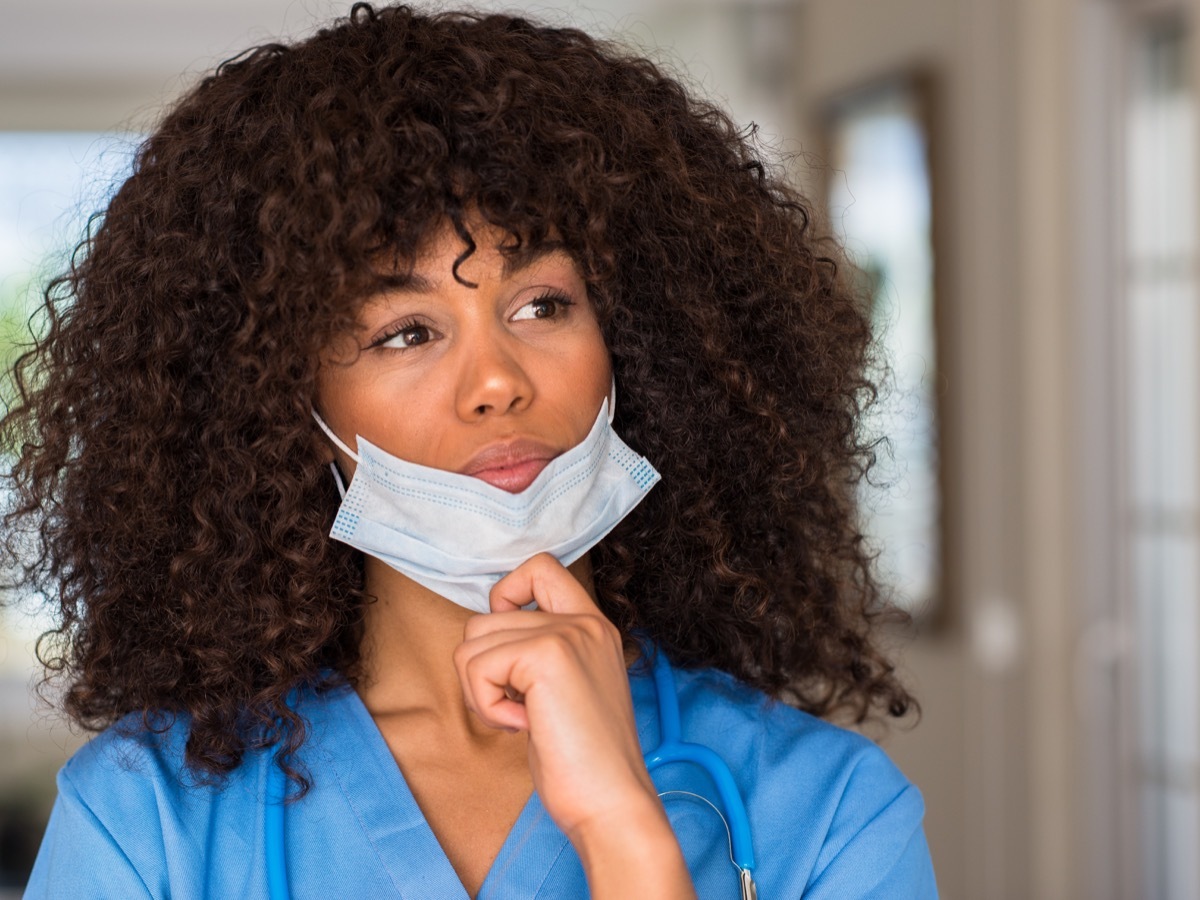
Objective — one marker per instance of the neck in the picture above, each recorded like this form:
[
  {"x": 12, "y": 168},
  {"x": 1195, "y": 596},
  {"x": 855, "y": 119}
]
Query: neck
[{"x": 409, "y": 637}]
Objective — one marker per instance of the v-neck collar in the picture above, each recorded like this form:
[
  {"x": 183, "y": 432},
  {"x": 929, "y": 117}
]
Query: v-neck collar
[{"x": 393, "y": 824}]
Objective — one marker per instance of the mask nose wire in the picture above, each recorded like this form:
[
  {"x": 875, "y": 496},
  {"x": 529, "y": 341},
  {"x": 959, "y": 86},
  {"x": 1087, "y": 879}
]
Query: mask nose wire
[{"x": 337, "y": 476}]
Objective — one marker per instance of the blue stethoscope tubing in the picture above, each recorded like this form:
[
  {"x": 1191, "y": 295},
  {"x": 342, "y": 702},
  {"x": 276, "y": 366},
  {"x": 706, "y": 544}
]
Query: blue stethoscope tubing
[{"x": 671, "y": 749}]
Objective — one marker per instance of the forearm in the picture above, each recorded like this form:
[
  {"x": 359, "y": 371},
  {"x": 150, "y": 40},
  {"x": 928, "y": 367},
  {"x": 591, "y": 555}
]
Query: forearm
[{"x": 635, "y": 855}]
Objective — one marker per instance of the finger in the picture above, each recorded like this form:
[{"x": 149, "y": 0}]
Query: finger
[
  {"x": 536, "y": 652},
  {"x": 468, "y": 679},
  {"x": 461, "y": 656},
  {"x": 510, "y": 662},
  {"x": 513, "y": 694},
  {"x": 523, "y": 642},
  {"x": 479, "y": 696},
  {"x": 487, "y": 675},
  {"x": 488, "y": 623},
  {"x": 544, "y": 579}
]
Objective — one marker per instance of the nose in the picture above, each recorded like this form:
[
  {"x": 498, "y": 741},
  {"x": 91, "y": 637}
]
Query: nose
[{"x": 492, "y": 381}]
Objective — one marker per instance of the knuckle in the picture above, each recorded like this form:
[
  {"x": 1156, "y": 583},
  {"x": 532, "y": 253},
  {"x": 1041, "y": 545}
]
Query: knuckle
[
  {"x": 471, "y": 673},
  {"x": 473, "y": 627},
  {"x": 559, "y": 646},
  {"x": 601, "y": 630},
  {"x": 470, "y": 668}
]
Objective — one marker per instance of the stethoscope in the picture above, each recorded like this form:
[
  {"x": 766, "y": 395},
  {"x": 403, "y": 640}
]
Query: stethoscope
[{"x": 671, "y": 749}]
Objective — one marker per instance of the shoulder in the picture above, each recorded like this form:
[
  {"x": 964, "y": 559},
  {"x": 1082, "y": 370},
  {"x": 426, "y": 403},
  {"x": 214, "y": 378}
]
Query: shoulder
[
  {"x": 142, "y": 758},
  {"x": 130, "y": 759},
  {"x": 828, "y": 800},
  {"x": 120, "y": 803},
  {"x": 132, "y": 784},
  {"x": 129, "y": 805},
  {"x": 126, "y": 753},
  {"x": 767, "y": 734},
  {"x": 133, "y": 781}
]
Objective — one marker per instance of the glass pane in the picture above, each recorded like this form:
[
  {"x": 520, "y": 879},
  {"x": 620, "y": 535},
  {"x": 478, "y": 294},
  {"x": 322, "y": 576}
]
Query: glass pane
[
  {"x": 1167, "y": 581},
  {"x": 1161, "y": 177},
  {"x": 1163, "y": 332},
  {"x": 49, "y": 185},
  {"x": 1162, "y": 320},
  {"x": 879, "y": 196}
]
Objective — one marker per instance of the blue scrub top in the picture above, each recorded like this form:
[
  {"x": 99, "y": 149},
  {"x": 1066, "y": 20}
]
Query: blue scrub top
[{"x": 831, "y": 816}]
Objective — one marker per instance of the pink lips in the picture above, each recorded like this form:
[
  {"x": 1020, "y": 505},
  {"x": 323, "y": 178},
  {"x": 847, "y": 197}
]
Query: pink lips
[{"x": 511, "y": 466}]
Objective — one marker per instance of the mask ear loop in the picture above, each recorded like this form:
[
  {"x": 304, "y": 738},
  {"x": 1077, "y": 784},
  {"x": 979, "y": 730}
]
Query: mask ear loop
[
  {"x": 337, "y": 479},
  {"x": 337, "y": 476},
  {"x": 612, "y": 399}
]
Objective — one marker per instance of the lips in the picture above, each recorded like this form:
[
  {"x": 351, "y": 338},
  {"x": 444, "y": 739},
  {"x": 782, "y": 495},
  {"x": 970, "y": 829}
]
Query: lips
[{"x": 511, "y": 466}]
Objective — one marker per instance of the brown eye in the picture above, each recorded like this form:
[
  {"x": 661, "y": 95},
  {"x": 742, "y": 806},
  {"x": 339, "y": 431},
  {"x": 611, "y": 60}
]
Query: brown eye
[
  {"x": 545, "y": 307},
  {"x": 418, "y": 334},
  {"x": 410, "y": 334}
]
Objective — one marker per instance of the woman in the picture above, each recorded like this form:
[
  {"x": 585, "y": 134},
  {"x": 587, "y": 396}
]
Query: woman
[{"x": 576, "y": 362}]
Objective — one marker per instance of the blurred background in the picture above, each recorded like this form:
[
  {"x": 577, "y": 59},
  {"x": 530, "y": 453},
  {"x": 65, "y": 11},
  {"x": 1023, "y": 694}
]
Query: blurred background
[{"x": 1017, "y": 182}]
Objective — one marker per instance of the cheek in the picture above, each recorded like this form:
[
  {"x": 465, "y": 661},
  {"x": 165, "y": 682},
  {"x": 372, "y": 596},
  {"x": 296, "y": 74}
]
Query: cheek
[
  {"x": 329, "y": 398},
  {"x": 335, "y": 376},
  {"x": 596, "y": 373},
  {"x": 353, "y": 402}
]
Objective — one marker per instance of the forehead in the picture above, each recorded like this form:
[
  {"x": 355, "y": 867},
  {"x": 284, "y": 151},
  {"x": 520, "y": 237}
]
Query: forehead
[{"x": 478, "y": 250}]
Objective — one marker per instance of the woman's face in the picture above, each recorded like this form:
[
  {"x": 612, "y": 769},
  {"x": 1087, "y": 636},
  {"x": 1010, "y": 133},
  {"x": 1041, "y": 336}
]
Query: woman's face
[{"x": 492, "y": 381}]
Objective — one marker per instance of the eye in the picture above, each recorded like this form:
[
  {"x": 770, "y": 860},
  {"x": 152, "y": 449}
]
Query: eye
[
  {"x": 404, "y": 336},
  {"x": 548, "y": 306}
]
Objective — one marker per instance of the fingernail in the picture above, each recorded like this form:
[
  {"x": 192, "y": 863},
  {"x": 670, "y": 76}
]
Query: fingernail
[{"x": 513, "y": 694}]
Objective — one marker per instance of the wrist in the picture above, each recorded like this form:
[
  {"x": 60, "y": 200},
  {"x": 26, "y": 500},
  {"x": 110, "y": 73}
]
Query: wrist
[{"x": 633, "y": 852}]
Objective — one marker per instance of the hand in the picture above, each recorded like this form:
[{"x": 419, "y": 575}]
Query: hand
[{"x": 558, "y": 673}]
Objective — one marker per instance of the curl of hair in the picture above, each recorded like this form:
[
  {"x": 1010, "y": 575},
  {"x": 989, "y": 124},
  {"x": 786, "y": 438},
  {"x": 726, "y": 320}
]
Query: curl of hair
[{"x": 169, "y": 475}]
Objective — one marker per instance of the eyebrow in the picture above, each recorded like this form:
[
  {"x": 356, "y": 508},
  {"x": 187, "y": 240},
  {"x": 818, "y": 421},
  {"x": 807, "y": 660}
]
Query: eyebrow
[{"x": 515, "y": 262}]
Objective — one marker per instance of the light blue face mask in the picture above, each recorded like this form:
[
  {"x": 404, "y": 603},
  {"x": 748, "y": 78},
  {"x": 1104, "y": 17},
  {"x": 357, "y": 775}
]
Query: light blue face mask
[{"x": 458, "y": 535}]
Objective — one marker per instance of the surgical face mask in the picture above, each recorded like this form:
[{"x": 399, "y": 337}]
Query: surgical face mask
[{"x": 458, "y": 535}]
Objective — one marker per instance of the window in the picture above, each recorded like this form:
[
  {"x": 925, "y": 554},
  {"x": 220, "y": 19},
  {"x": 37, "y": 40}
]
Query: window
[
  {"x": 49, "y": 184},
  {"x": 1161, "y": 324},
  {"x": 880, "y": 196}
]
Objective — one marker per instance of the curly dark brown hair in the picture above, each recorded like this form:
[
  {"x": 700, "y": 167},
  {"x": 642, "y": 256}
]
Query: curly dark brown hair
[{"x": 169, "y": 494}]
